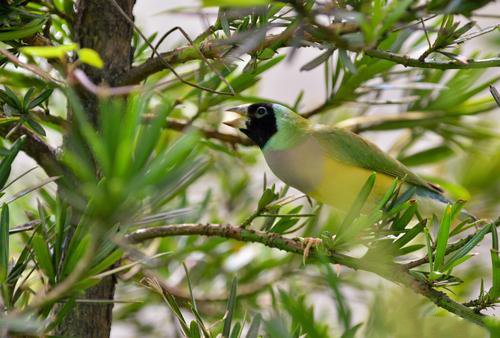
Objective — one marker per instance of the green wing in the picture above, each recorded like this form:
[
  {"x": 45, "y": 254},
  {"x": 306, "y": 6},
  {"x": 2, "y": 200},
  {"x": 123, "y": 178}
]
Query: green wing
[{"x": 352, "y": 149}]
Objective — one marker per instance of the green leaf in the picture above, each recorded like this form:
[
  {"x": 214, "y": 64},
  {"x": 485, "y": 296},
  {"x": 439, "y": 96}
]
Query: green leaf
[
  {"x": 26, "y": 30},
  {"x": 194, "y": 307},
  {"x": 358, "y": 203},
  {"x": 409, "y": 249},
  {"x": 49, "y": 52},
  {"x": 27, "y": 98},
  {"x": 267, "y": 197},
  {"x": 236, "y": 331},
  {"x": 478, "y": 236},
  {"x": 90, "y": 57},
  {"x": 429, "y": 249},
  {"x": 343, "y": 311},
  {"x": 253, "y": 331},
  {"x": 496, "y": 95},
  {"x": 76, "y": 252},
  {"x": 42, "y": 97},
  {"x": 401, "y": 223},
  {"x": 9, "y": 97},
  {"x": 37, "y": 127},
  {"x": 194, "y": 330},
  {"x": 410, "y": 234},
  {"x": 43, "y": 257},
  {"x": 6, "y": 163},
  {"x": 427, "y": 156},
  {"x": 170, "y": 300},
  {"x": 493, "y": 325},
  {"x": 106, "y": 262},
  {"x": 442, "y": 238},
  {"x": 351, "y": 332},
  {"x": 231, "y": 303},
  {"x": 4, "y": 243},
  {"x": 319, "y": 60},
  {"x": 347, "y": 62},
  {"x": 495, "y": 264},
  {"x": 234, "y": 3}
]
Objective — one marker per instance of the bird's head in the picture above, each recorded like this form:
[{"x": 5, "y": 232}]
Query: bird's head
[{"x": 261, "y": 121}]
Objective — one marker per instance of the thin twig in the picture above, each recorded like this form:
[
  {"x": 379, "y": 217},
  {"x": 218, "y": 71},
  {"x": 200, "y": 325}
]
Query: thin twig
[
  {"x": 24, "y": 227},
  {"x": 200, "y": 53},
  {"x": 32, "y": 68}
]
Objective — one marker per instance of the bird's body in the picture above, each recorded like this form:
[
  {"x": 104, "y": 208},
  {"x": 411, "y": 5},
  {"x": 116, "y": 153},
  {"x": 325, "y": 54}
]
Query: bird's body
[
  {"x": 309, "y": 168},
  {"x": 331, "y": 164}
]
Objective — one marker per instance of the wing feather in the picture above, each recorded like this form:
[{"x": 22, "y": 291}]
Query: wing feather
[{"x": 350, "y": 148}]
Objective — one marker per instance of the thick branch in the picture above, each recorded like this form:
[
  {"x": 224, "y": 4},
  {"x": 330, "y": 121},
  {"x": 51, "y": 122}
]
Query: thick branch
[
  {"x": 216, "y": 49},
  {"x": 390, "y": 271}
]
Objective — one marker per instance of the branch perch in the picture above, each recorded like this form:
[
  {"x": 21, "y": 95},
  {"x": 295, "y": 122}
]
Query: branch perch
[{"x": 390, "y": 271}]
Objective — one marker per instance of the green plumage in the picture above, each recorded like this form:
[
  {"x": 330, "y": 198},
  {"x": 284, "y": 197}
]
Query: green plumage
[{"x": 350, "y": 148}]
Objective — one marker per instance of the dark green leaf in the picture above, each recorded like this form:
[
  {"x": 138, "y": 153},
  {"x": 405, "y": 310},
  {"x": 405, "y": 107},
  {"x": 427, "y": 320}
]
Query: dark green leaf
[
  {"x": 4, "y": 243},
  {"x": 231, "y": 303},
  {"x": 478, "y": 236},
  {"x": 6, "y": 163},
  {"x": 253, "y": 331},
  {"x": 43, "y": 257},
  {"x": 427, "y": 156},
  {"x": 40, "y": 98},
  {"x": 36, "y": 127},
  {"x": 319, "y": 60}
]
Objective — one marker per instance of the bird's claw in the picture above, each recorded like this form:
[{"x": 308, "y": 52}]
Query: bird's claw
[{"x": 310, "y": 242}]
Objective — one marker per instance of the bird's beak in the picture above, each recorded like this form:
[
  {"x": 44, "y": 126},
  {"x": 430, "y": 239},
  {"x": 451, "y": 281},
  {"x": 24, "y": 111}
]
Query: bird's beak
[{"x": 238, "y": 122}]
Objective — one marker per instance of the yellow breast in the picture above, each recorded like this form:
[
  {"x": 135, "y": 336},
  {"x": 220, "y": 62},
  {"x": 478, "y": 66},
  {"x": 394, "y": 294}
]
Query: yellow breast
[
  {"x": 341, "y": 183},
  {"x": 308, "y": 168}
]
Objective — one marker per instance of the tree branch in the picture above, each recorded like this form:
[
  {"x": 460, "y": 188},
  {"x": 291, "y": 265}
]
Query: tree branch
[
  {"x": 390, "y": 271},
  {"x": 216, "y": 49},
  {"x": 411, "y": 62}
]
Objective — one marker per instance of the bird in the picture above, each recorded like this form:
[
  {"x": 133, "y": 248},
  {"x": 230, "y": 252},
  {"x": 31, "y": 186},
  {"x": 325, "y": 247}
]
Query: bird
[{"x": 330, "y": 164}]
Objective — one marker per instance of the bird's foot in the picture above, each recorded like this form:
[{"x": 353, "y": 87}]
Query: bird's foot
[{"x": 309, "y": 242}]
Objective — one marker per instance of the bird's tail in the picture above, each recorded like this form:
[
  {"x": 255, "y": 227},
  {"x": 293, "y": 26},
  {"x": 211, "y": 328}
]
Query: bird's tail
[{"x": 433, "y": 203}]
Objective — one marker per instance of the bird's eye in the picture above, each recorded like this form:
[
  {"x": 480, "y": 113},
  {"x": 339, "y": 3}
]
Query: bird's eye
[{"x": 260, "y": 112}]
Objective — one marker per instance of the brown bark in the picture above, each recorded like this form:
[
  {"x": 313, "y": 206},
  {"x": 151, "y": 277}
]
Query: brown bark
[{"x": 101, "y": 27}]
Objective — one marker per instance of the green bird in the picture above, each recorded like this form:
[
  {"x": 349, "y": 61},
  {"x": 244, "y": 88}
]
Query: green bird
[{"x": 327, "y": 163}]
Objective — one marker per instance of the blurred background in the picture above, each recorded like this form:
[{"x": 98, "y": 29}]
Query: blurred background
[
  {"x": 473, "y": 175},
  {"x": 463, "y": 156}
]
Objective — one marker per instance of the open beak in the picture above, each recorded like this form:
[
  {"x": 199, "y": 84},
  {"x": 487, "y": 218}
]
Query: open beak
[{"x": 238, "y": 122}]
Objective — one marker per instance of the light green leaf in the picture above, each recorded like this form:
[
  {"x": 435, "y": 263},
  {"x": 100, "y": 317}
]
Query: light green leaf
[
  {"x": 43, "y": 257},
  {"x": 49, "y": 52},
  {"x": 90, "y": 57},
  {"x": 442, "y": 238},
  {"x": 427, "y": 156}
]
